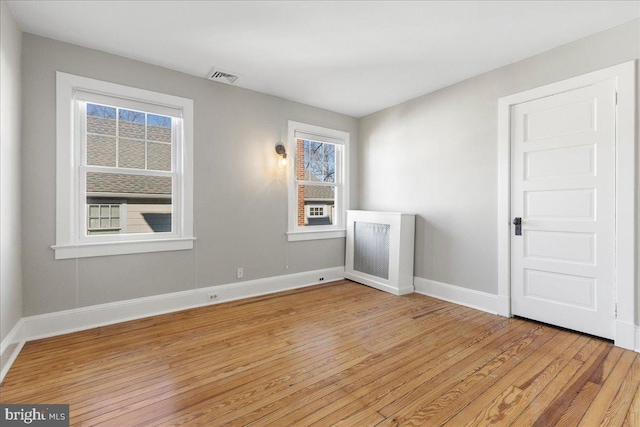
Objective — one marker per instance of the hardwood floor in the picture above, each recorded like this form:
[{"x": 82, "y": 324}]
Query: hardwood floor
[{"x": 339, "y": 354}]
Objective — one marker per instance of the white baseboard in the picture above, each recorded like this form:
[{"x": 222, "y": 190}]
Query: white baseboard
[
  {"x": 67, "y": 321},
  {"x": 369, "y": 281},
  {"x": 504, "y": 306},
  {"x": 10, "y": 348},
  {"x": 625, "y": 335},
  {"x": 456, "y": 294},
  {"x": 63, "y": 322}
]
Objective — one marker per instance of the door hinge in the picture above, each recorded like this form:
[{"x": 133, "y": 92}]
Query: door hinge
[{"x": 615, "y": 310}]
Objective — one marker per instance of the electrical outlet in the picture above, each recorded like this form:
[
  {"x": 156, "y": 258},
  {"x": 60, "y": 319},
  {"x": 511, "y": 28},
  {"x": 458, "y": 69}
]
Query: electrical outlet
[
  {"x": 213, "y": 296},
  {"x": 321, "y": 279},
  {"x": 240, "y": 273}
]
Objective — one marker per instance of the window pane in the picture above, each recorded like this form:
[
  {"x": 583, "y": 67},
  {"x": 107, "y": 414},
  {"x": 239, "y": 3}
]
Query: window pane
[
  {"x": 103, "y": 231},
  {"x": 313, "y": 161},
  {"x": 158, "y": 128},
  {"x": 319, "y": 202},
  {"x": 101, "y": 119},
  {"x": 131, "y": 153},
  {"x": 149, "y": 218},
  {"x": 131, "y": 124},
  {"x": 148, "y": 201},
  {"x": 99, "y": 218},
  {"x": 153, "y": 186},
  {"x": 158, "y": 156},
  {"x": 318, "y": 161},
  {"x": 316, "y": 211},
  {"x": 329, "y": 163},
  {"x": 97, "y": 110},
  {"x": 101, "y": 150}
]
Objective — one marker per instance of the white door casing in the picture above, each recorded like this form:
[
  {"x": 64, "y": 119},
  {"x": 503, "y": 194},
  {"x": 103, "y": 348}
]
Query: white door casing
[
  {"x": 625, "y": 294},
  {"x": 563, "y": 189}
]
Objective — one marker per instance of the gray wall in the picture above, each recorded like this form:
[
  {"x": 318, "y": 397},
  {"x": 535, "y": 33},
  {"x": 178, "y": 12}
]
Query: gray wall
[
  {"x": 240, "y": 195},
  {"x": 436, "y": 156},
  {"x": 10, "y": 107}
]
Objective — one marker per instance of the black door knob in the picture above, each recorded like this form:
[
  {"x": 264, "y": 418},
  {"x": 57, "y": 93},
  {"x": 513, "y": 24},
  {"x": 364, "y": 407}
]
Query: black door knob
[{"x": 517, "y": 221}]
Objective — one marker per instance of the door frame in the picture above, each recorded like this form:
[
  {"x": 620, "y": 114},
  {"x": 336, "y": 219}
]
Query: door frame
[{"x": 625, "y": 192}]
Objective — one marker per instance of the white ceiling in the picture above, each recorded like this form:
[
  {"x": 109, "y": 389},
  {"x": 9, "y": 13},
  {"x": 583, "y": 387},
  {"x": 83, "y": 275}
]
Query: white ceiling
[{"x": 351, "y": 57}]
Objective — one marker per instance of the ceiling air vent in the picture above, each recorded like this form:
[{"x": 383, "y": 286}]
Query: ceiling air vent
[{"x": 222, "y": 76}]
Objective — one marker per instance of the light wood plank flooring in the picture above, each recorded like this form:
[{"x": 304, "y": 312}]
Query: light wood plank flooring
[{"x": 339, "y": 354}]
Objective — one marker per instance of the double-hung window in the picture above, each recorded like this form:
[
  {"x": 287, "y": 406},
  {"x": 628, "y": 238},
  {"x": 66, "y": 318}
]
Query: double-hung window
[
  {"x": 318, "y": 182},
  {"x": 124, "y": 169}
]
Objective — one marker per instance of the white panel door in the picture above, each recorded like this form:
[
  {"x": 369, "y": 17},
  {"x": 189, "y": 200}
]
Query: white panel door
[{"x": 563, "y": 189}]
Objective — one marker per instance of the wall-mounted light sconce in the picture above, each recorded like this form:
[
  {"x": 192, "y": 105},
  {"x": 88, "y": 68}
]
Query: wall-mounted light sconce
[{"x": 282, "y": 151}]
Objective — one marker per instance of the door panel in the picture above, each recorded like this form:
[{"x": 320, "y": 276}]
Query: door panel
[
  {"x": 553, "y": 163},
  {"x": 563, "y": 188},
  {"x": 560, "y": 204},
  {"x": 560, "y": 246},
  {"x": 566, "y": 289},
  {"x": 544, "y": 124}
]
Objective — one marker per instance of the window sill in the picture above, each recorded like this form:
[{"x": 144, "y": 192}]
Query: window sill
[
  {"x": 296, "y": 236},
  {"x": 86, "y": 250}
]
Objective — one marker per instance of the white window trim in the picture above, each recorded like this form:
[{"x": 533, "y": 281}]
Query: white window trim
[
  {"x": 69, "y": 243},
  {"x": 338, "y": 229}
]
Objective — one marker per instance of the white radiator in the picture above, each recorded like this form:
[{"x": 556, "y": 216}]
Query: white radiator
[{"x": 379, "y": 250}]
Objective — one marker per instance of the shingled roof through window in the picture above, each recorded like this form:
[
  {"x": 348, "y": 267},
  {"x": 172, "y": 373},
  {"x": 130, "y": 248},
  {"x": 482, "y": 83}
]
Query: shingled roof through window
[
  {"x": 133, "y": 184},
  {"x": 318, "y": 192},
  {"x": 107, "y": 139}
]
